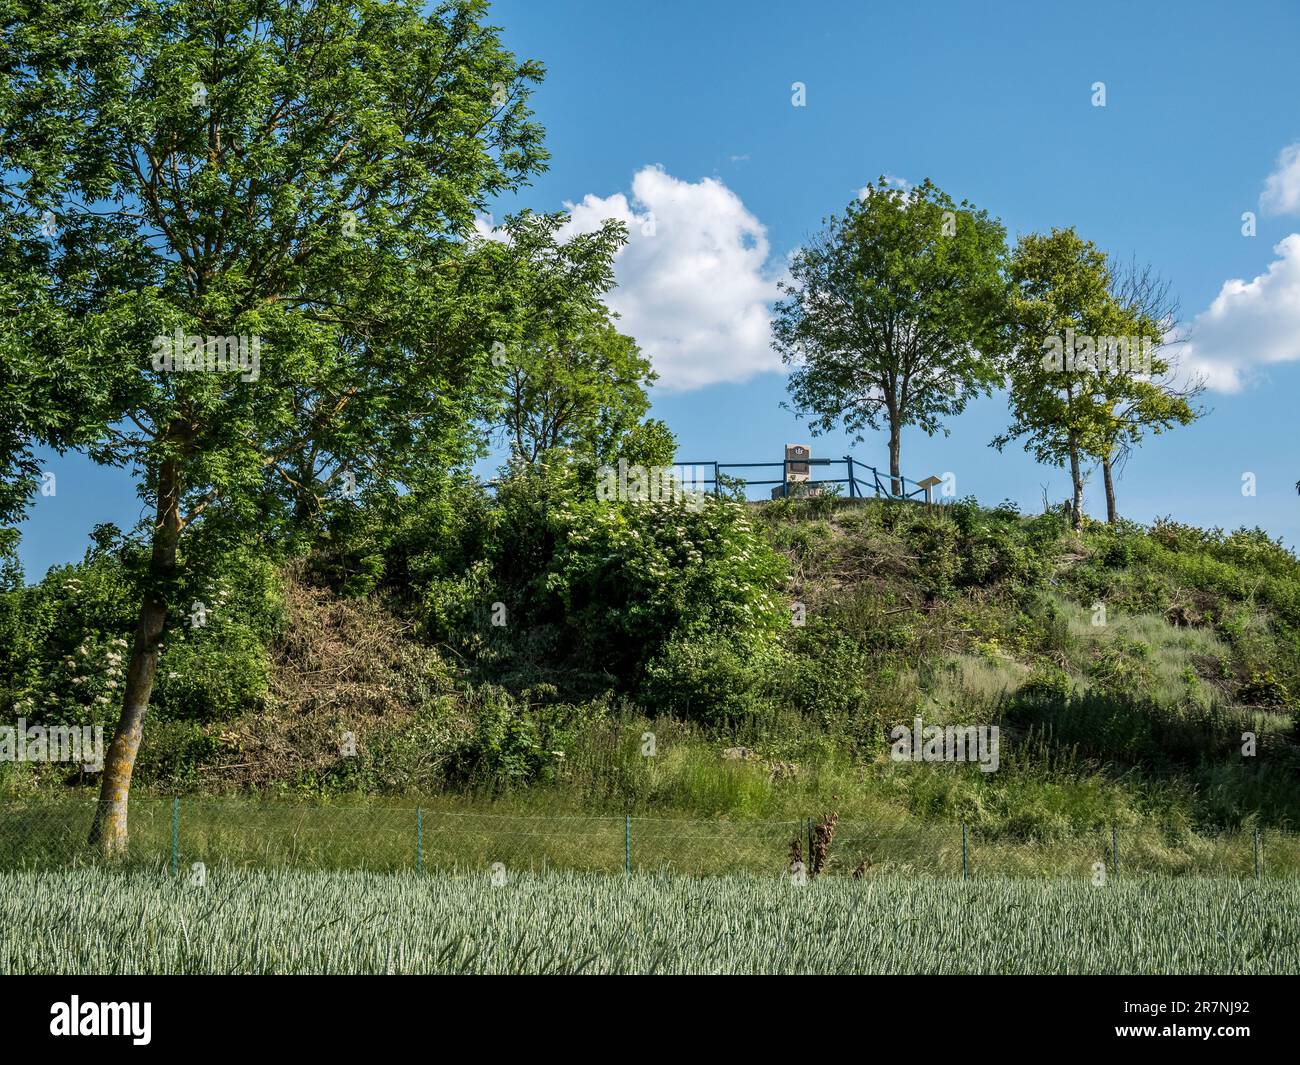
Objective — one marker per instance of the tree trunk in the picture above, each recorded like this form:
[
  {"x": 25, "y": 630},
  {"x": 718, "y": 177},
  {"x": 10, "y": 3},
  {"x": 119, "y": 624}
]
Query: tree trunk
[
  {"x": 305, "y": 503},
  {"x": 895, "y": 442},
  {"x": 109, "y": 832},
  {"x": 1076, "y": 478},
  {"x": 1112, "y": 516}
]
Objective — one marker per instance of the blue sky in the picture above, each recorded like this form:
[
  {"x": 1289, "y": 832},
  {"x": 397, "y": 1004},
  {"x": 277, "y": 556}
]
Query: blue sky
[{"x": 683, "y": 111}]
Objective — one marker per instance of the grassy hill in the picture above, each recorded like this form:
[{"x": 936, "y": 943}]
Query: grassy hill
[{"x": 1123, "y": 667}]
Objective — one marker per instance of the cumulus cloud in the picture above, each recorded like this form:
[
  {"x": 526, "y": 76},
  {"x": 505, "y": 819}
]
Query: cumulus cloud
[
  {"x": 1281, "y": 193},
  {"x": 486, "y": 229},
  {"x": 1250, "y": 324},
  {"x": 695, "y": 284}
]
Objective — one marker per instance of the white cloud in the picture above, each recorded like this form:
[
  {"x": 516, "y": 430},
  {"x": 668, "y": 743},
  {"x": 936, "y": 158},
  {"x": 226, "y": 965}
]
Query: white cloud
[
  {"x": 1250, "y": 324},
  {"x": 485, "y": 228},
  {"x": 695, "y": 284},
  {"x": 1281, "y": 193}
]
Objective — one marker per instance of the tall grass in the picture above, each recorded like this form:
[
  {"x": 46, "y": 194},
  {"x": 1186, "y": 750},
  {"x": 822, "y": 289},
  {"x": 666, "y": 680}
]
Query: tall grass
[{"x": 230, "y": 835}]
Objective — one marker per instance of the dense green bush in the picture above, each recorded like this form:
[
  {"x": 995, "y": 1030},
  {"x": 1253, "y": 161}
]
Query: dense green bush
[
  {"x": 964, "y": 546},
  {"x": 704, "y": 679},
  {"x": 612, "y": 585},
  {"x": 1265, "y": 689},
  {"x": 1047, "y": 681},
  {"x": 519, "y": 740},
  {"x": 648, "y": 573},
  {"x": 66, "y": 640},
  {"x": 825, "y": 676}
]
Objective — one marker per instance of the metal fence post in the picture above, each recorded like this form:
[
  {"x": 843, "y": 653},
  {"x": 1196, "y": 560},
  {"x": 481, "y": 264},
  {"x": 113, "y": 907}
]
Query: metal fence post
[
  {"x": 627, "y": 844},
  {"x": 1114, "y": 849},
  {"x": 419, "y": 840},
  {"x": 176, "y": 829},
  {"x": 965, "y": 854}
]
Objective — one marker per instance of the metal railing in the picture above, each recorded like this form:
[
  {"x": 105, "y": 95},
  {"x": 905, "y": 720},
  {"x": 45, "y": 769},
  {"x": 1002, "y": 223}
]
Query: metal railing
[{"x": 861, "y": 479}]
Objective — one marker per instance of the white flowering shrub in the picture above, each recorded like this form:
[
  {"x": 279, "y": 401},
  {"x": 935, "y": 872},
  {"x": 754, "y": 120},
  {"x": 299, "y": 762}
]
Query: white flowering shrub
[
  {"x": 67, "y": 642},
  {"x": 611, "y": 586},
  {"x": 635, "y": 577}
]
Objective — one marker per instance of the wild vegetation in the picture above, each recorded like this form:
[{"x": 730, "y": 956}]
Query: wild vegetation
[
  {"x": 322, "y": 602},
  {"x": 1123, "y": 664}
]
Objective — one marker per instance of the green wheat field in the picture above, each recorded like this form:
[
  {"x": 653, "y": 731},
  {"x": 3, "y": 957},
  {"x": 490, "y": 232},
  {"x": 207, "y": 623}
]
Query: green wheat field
[{"x": 284, "y": 921}]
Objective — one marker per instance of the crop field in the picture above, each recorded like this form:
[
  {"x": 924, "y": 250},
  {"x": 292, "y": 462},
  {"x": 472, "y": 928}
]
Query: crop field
[{"x": 284, "y": 921}]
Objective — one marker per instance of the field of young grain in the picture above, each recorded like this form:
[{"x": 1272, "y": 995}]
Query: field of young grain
[{"x": 94, "y": 921}]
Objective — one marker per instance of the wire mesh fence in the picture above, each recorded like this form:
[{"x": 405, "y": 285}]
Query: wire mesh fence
[{"x": 177, "y": 833}]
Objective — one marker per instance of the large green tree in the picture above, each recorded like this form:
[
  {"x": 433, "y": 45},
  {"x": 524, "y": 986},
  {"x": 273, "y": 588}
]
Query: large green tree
[
  {"x": 571, "y": 378},
  {"x": 1149, "y": 396},
  {"x": 283, "y": 187},
  {"x": 1089, "y": 374},
  {"x": 894, "y": 313},
  {"x": 583, "y": 390},
  {"x": 1061, "y": 290}
]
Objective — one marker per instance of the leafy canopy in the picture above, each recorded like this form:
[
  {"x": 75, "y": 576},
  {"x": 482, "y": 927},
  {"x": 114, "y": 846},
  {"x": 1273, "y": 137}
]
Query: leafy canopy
[
  {"x": 893, "y": 311},
  {"x": 299, "y": 174}
]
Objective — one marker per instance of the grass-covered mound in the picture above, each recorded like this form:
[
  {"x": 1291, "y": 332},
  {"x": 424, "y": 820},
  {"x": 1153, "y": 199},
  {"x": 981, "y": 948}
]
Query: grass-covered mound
[{"x": 540, "y": 649}]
